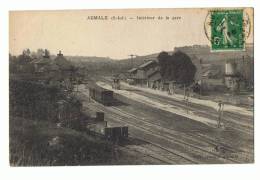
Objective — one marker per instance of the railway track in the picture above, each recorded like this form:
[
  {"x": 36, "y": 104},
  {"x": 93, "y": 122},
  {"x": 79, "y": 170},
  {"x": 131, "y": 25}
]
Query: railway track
[
  {"x": 116, "y": 118},
  {"x": 234, "y": 121},
  {"x": 165, "y": 156},
  {"x": 241, "y": 123},
  {"x": 189, "y": 141},
  {"x": 174, "y": 132},
  {"x": 180, "y": 141},
  {"x": 188, "y": 136}
]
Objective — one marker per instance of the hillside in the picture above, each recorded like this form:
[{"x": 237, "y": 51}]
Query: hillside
[
  {"x": 197, "y": 53},
  {"x": 89, "y": 59}
]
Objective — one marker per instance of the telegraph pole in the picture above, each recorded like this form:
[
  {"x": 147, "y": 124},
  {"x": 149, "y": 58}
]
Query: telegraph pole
[
  {"x": 184, "y": 91},
  {"x": 132, "y": 59},
  {"x": 219, "y": 147},
  {"x": 220, "y": 113},
  {"x": 200, "y": 78},
  {"x": 187, "y": 103}
]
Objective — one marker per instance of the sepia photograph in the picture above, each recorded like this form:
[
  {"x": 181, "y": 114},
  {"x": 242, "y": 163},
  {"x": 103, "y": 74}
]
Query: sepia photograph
[{"x": 154, "y": 86}]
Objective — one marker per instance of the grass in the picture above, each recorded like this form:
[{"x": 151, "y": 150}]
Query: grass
[{"x": 31, "y": 145}]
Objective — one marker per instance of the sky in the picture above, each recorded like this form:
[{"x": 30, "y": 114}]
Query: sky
[{"x": 75, "y": 33}]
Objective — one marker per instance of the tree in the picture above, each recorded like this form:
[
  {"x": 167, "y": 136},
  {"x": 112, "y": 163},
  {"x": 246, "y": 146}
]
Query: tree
[
  {"x": 26, "y": 52},
  {"x": 46, "y": 53},
  {"x": 163, "y": 59},
  {"x": 12, "y": 63},
  {"x": 25, "y": 57},
  {"x": 177, "y": 67},
  {"x": 40, "y": 53}
]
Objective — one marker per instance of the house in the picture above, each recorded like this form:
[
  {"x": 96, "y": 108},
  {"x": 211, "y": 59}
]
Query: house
[
  {"x": 212, "y": 74},
  {"x": 232, "y": 77},
  {"x": 208, "y": 84},
  {"x": 131, "y": 73},
  {"x": 40, "y": 65},
  {"x": 146, "y": 74},
  {"x": 154, "y": 79},
  {"x": 46, "y": 64},
  {"x": 211, "y": 80},
  {"x": 62, "y": 62},
  {"x": 52, "y": 67}
]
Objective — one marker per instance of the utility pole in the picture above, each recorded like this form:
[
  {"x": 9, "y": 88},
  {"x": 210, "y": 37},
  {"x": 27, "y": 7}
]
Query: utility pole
[
  {"x": 184, "y": 91},
  {"x": 132, "y": 59},
  {"x": 200, "y": 87},
  {"x": 243, "y": 59},
  {"x": 187, "y": 103},
  {"x": 219, "y": 148},
  {"x": 220, "y": 113},
  {"x": 186, "y": 97},
  {"x": 200, "y": 78}
]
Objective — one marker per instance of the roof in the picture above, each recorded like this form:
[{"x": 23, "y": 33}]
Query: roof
[
  {"x": 94, "y": 86},
  {"x": 211, "y": 72},
  {"x": 146, "y": 64},
  {"x": 62, "y": 62},
  {"x": 119, "y": 76},
  {"x": 53, "y": 67},
  {"x": 41, "y": 61},
  {"x": 132, "y": 70},
  {"x": 142, "y": 66},
  {"x": 115, "y": 76},
  {"x": 216, "y": 82}
]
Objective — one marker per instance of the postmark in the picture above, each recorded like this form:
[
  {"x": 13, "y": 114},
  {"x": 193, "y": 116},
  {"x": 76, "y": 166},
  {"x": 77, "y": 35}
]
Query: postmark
[{"x": 227, "y": 30}]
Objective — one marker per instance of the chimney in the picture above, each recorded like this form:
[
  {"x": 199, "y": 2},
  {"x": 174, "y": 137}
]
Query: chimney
[{"x": 60, "y": 54}]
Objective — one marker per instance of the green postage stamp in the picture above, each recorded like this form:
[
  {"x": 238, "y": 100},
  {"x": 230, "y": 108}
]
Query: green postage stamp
[{"x": 227, "y": 30}]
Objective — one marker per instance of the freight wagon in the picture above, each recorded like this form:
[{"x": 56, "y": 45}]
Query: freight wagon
[
  {"x": 116, "y": 133},
  {"x": 101, "y": 95}
]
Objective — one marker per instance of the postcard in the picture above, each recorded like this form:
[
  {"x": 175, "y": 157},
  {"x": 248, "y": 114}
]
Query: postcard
[{"x": 131, "y": 87}]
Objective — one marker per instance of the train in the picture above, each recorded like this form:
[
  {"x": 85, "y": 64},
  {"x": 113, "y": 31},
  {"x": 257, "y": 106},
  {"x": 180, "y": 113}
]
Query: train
[
  {"x": 101, "y": 95},
  {"x": 99, "y": 128}
]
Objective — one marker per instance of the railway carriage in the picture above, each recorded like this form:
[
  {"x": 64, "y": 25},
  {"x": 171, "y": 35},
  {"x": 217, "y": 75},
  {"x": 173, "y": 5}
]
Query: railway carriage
[{"x": 101, "y": 95}]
